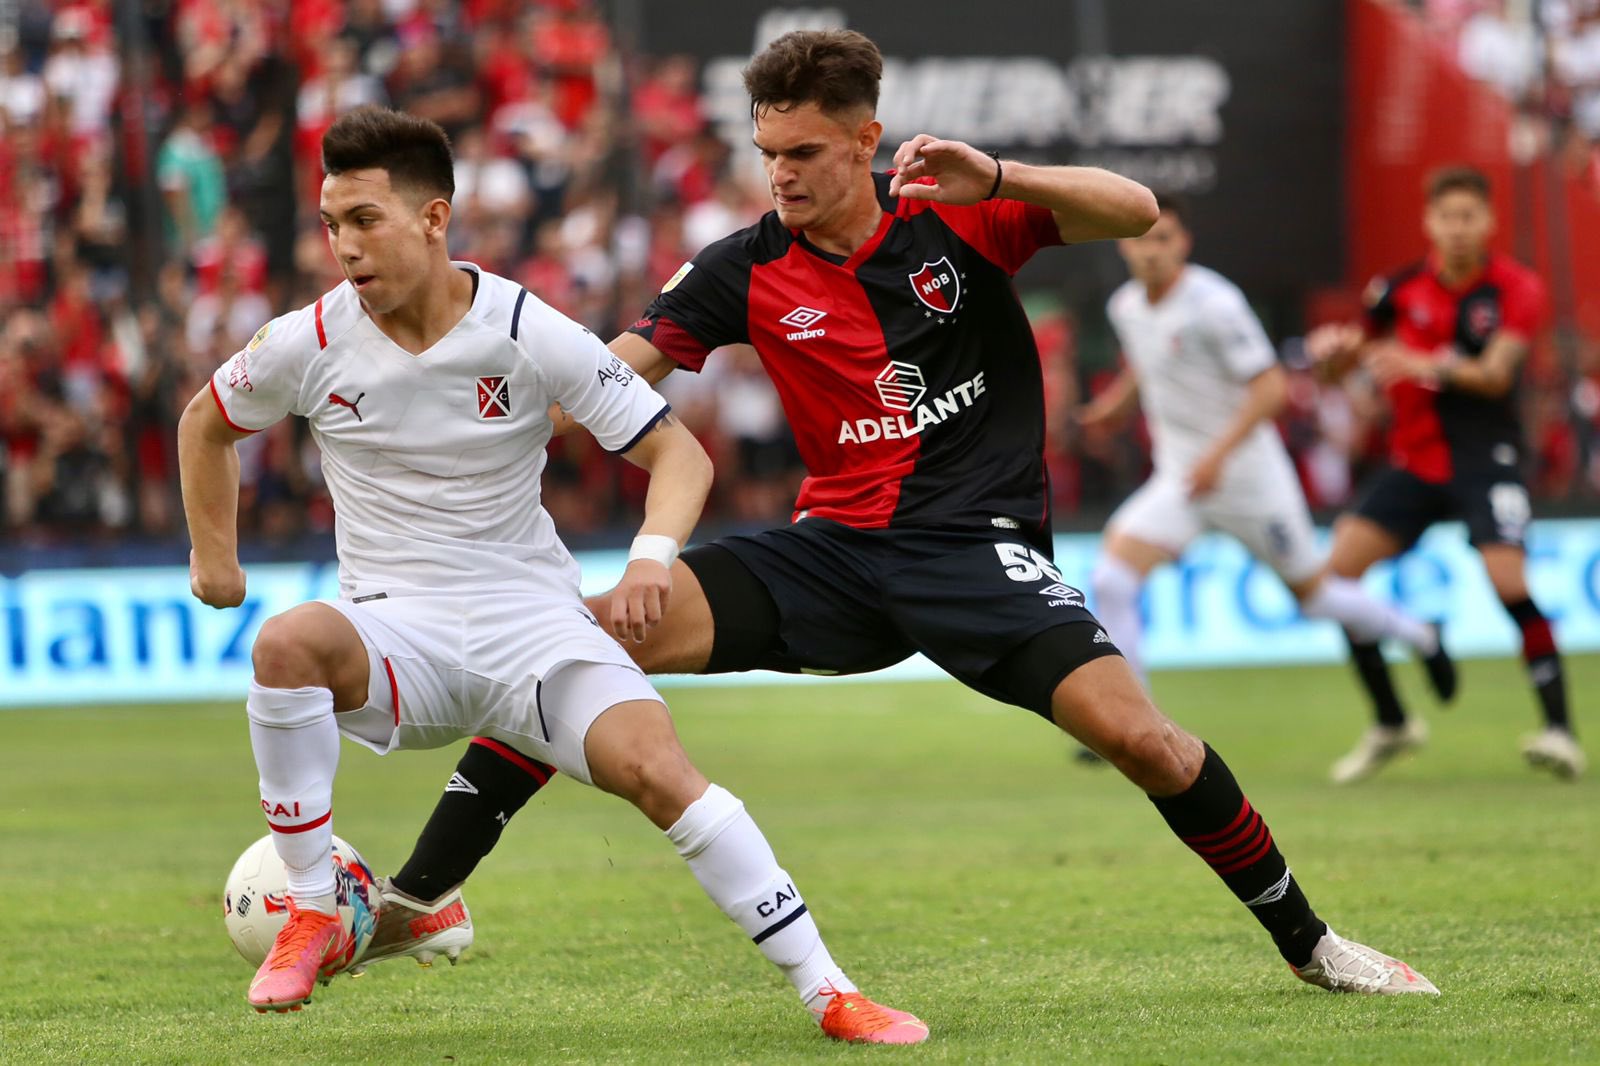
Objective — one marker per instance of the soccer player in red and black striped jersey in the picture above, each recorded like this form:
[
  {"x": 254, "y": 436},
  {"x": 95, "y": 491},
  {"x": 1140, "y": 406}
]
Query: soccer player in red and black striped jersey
[
  {"x": 1446, "y": 338},
  {"x": 882, "y": 308}
]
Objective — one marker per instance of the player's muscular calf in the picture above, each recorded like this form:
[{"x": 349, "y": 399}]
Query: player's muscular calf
[
  {"x": 1103, "y": 705},
  {"x": 1358, "y": 543}
]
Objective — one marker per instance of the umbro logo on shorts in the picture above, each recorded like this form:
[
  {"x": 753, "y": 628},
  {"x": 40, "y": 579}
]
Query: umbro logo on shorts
[{"x": 1062, "y": 595}]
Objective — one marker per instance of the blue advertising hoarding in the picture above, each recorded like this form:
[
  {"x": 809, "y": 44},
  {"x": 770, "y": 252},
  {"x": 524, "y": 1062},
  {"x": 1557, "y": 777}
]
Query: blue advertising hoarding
[{"x": 135, "y": 635}]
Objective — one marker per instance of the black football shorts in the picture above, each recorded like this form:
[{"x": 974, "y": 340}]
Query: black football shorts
[
  {"x": 1493, "y": 503},
  {"x": 988, "y": 607}
]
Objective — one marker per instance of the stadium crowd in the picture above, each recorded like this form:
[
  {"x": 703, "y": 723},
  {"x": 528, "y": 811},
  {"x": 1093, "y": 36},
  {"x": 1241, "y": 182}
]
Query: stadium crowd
[
  {"x": 1543, "y": 55},
  {"x": 163, "y": 169}
]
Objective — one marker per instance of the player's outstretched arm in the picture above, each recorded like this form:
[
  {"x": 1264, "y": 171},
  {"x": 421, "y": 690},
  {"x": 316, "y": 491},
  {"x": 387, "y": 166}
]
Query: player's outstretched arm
[
  {"x": 208, "y": 468},
  {"x": 1492, "y": 374},
  {"x": 680, "y": 479},
  {"x": 1265, "y": 398},
  {"x": 1089, "y": 204},
  {"x": 638, "y": 353},
  {"x": 1114, "y": 404},
  {"x": 1335, "y": 349}
]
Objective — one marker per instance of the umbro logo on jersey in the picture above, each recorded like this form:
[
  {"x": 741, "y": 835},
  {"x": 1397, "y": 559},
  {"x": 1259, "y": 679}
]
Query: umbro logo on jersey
[
  {"x": 937, "y": 285},
  {"x": 494, "y": 397},
  {"x": 803, "y": 318},
  {"x": 354, "y": 405},
  {"x": 457, "y": 783}
]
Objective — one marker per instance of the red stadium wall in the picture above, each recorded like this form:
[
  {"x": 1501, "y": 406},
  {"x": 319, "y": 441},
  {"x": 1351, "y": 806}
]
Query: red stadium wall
[{"x": 1412, "y": 109}]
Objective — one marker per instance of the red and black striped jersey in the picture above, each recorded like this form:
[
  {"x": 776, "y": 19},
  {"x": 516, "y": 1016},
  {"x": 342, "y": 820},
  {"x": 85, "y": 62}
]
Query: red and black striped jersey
[
  {"x": 908, "y": 371},
  {"x": 1434, "y": 433}
]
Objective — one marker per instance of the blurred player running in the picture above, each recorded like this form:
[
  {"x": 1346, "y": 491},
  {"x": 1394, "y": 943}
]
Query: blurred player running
[
  {"x": 427, "y": 384},
  {"x": 882, "y": 309},
  {"x": 1210, "y": 384},
  {"x": 1446, "y": 339}
]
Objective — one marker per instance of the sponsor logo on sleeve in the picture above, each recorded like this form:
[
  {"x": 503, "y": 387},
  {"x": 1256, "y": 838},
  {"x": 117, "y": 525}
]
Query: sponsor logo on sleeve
[
  {"x": 616, "y": 370},
  {"x": 239, "y": 372}
]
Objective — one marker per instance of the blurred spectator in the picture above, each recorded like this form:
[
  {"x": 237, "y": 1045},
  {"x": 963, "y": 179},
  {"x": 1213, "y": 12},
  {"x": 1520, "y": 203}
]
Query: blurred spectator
[
  {"x": 339, "y": 85},
  {"x": 22, "y": 92},
  {"x": 431, "y": 83},
  {"x": 192, "y": 182},
  {"x": 1502, "y": 51},
  {"x": 82, "y": 68}
]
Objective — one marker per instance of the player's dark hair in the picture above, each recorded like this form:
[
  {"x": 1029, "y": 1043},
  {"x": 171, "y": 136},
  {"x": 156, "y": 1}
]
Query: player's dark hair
[
  {"x": 1458, "y": 178},
  {"x": 835, "y": 69},
  {"x": 1174, "y": 204},
  {"x": 415, "y": 151}
]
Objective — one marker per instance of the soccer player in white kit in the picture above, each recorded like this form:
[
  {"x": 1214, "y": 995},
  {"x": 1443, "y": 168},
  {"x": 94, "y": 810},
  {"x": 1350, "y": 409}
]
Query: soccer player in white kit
[
  {"x": 1210, "y": 383},
  {"x": 426, "y": 384}
]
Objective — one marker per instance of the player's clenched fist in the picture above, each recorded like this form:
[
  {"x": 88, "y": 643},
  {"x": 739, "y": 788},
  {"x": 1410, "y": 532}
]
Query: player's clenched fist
[
  {"x": 640, "y": 599},
  {"x": 961, "y": 174},
  {"x": 216, "y": 586}
]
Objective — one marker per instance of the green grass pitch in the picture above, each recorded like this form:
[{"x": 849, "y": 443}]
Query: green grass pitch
[{"x": 959, "y": 863}]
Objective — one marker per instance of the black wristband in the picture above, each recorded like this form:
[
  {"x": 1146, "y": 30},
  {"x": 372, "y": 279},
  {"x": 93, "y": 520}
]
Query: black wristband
[{"x": 999, "y": 172}]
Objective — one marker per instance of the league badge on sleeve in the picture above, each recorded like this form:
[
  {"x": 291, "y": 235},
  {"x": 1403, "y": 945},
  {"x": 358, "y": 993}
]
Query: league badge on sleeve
[
  {"x": 494, "y": 397},
  {"x": 937, "y": 285}
]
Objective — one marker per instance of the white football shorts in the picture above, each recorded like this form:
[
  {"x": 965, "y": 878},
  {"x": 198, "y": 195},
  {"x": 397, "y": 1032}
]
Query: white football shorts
[
  {"x": 531, "y": 672},
  {"x": 1263, "y": 506}
]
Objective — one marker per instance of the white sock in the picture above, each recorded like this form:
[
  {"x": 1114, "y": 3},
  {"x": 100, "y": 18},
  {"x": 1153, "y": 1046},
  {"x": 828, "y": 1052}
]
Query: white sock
[
  {"x": 296, "y": 745},
  {"x": 735, "y": 865},
  {"x": 1116, "y": 603},
  {"x": 1368, "y": 619}
]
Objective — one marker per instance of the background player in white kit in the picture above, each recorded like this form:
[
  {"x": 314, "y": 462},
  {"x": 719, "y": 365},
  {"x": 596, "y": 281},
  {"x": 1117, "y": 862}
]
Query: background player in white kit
[
  {"x": 1211, "y": 385},
  {"x": 426, "y": 384}
]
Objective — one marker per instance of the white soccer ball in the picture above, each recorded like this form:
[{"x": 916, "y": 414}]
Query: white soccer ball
[{"x": 255, "y": 900}]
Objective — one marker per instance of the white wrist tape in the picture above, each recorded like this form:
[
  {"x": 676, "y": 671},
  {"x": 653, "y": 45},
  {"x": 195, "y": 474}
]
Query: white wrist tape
[{"x": 654, "y": 546}]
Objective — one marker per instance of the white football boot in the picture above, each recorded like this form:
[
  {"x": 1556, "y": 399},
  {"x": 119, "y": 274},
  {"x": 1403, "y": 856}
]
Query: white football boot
[
  {"x": 1341, "y": 965},
  {"x": 1555, "y": 750},
  {"x": 424, "y": 931},
  {"x": 1377, "y": 747}
]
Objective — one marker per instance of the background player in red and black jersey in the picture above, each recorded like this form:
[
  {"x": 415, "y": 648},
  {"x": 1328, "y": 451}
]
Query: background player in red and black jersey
[
  {"x": 1446, "y": 339},
  {"x": 882, "y": 308}
]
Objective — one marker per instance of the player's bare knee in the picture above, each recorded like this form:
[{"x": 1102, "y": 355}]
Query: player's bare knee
[
  {"x": 661, "y": 783},
  {"x": 1157, "y": 756},
  {"x": 285, "y": 656}
]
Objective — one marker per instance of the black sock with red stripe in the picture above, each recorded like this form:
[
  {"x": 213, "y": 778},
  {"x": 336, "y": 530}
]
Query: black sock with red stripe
[
  {"x": 491, "y": 783},
  {"x": 1371, "y": 667},
  {"x": 1213, "y": 817},
  {"x": 1543, "y": 661}
]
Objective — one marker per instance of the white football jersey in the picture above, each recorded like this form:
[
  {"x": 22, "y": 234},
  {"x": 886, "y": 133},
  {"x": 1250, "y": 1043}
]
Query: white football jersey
[
  {"x": 433, "y": 460},
  {"x": 1195, "y": 352}
]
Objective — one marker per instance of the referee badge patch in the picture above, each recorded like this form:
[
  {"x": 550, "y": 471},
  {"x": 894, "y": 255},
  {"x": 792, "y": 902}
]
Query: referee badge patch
[{"x": 494, "y": 397}]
